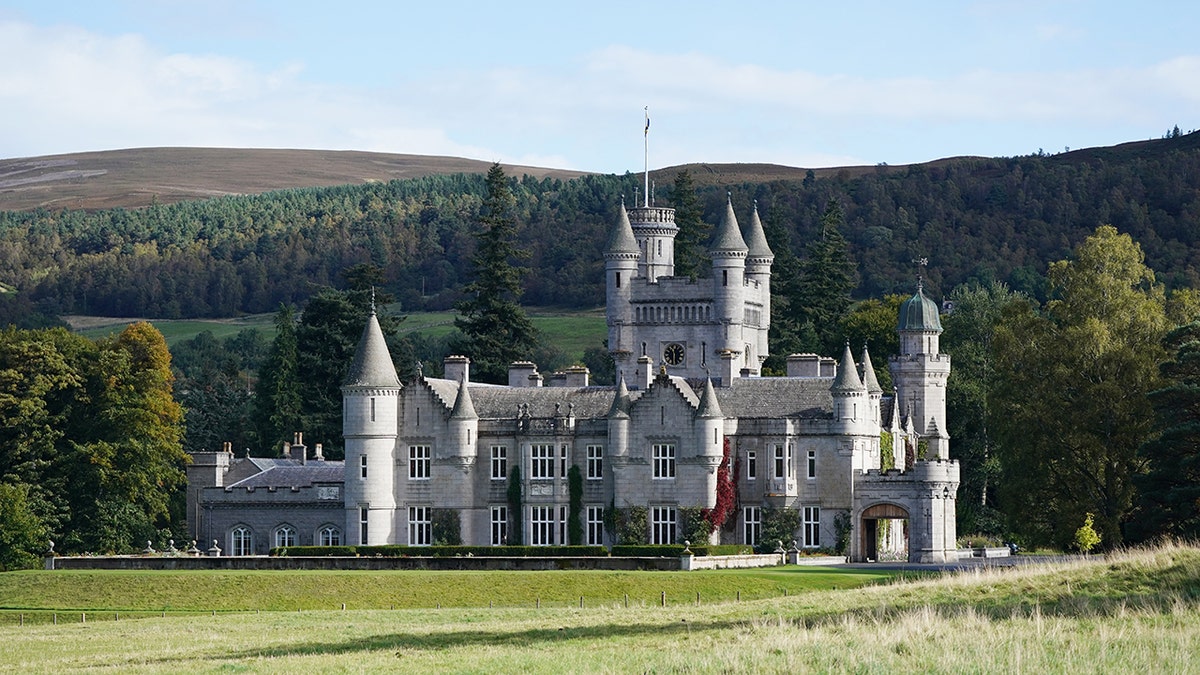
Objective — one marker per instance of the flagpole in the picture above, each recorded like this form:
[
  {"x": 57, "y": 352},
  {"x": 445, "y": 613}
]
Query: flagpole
[{"x": 646, "y": 152}]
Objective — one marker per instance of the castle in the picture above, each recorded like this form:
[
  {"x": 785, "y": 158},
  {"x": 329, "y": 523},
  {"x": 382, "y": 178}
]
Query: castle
[{"x": 822, "y": 446}]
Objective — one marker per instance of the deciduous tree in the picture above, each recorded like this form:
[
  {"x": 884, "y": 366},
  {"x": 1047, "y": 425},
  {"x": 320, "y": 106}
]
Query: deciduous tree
[{"x": 1070, "y": 403}]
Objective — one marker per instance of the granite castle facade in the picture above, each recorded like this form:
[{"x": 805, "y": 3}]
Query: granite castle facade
[{"x": 688, "y": 354}]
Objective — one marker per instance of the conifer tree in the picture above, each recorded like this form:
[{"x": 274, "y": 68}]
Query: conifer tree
[
  {"x": 494, "y": 328},
  {"x": 827, "y": 276},
  {"x": 692, "y": 239},
  {"x": 277, "y": 396}
]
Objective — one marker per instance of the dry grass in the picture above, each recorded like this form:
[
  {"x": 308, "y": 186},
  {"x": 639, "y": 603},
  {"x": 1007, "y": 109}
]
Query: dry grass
[{"x": 1134, "y": 612}]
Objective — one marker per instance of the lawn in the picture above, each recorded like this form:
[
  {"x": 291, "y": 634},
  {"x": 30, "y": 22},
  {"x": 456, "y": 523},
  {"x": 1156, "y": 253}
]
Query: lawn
[
  {"x": 1134, "y": 612},
  {"x": 571, "y": 331}
]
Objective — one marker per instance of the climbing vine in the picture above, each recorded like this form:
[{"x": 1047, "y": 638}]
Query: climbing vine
[
  {"x": 515, "y": 521},
  {"x": 575, "y": 507}
]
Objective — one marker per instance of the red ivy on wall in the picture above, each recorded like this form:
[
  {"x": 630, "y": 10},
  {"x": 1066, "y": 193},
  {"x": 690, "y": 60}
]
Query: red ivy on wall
[{"x": 726, "y": 494}]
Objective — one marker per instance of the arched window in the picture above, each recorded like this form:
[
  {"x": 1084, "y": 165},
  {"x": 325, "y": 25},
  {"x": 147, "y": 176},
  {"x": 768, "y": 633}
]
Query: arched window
[
  {"x": 285, "y": 536},
  {"x": 330, "y": 536},
  {"x": 242, "y": 541}
]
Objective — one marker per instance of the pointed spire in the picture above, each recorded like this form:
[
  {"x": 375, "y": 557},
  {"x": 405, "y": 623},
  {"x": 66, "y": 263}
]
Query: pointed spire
[
  {"x": 756, "y": 238},
  {"x": 620, "y": 404},
  {"x": 847, "y": 375},
  {"x": 729, "y": 237},
  {"x": 372, "y": 366},
  {"x": 868, "y": 374},
  {"x": 621, "y": 239},
  {"x": 464, "y": 408},
  {"x": 709, "y": 408}
]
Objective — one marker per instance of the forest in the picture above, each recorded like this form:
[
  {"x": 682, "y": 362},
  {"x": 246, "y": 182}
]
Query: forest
[{"x": 975, "y": 219}]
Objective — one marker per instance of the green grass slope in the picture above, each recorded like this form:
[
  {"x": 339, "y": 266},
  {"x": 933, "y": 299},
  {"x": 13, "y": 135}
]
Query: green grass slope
[{"x": 1133, "y": 612}]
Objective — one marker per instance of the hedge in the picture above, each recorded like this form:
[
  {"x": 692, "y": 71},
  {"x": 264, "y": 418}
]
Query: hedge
[
  {"x": 399, "y": 551},
  {"x": 648, "y": 550}
]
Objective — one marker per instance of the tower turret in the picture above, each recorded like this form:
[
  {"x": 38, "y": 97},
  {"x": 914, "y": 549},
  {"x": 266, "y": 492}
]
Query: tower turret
[
  {"x": 621, "y": 258},
  {"x": 758, "y": 284},
  {"x": 920, "y": 371},
  {"x": 728, "y": 253},
  {"x": 849, "y": 395},
  {"x": 654, "y": 229},
  {"x": 370, "y": 395}
]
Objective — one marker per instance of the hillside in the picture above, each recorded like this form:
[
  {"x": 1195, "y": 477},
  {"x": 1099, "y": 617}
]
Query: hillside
[
  {"x": 142, "y": 176},
  {"x": 975, "y": 219}
]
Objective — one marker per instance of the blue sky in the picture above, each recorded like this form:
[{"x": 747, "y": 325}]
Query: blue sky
[{"x": 564, "y": 84}]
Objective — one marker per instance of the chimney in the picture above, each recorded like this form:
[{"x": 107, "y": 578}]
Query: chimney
[
  {"x": 828, "y": 367},
  {"x": 727, "y": 367},
  {"x": 576, "y": 376},
  {"x": 457, "y": 368},
  {"x": 318, "y": 454},
  {"x": 803, "y": 365},
  {"x": 523, "y": 374},
  {"x": 296, "y": 451},
  {"x": 645, "y": 373}
]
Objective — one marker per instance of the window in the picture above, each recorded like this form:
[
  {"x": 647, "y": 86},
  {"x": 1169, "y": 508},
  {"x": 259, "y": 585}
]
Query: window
[
  {"x": 812, "y": 463},
  {"x": 663, "y": 459},
  {"x": 285, "y": 536},
  {"x": 751, "y": 465},
  {"x": 562, "y": 471},
  {"x": 724, "y": 277},
  {"x": 499, "y": 525},
  {"x": 618, "y": 279},
  {"x": 362, "y": 466},
  {"x": 780, "y": 465},
  {"x": 562, "y": 524},
  {"x": 595, "y": 462},
  {"x": 812, "y": 526},
  {"x": 499, "y": 462},
  {"x": 243, "y": 541},
  {"x": 372, "y": 408},
  {"x": 662, "y": 525},
  {"x": 362, "y": 525},
  {"x": 419, "y": 529},
  {"x": 541, "y": 525},
  {"x": 595, "y": 526},
  {"x": 752, "y": 519},
  {"x": 541, "y": 462},
  {"x": 418, "y": 462},
  {"x": 330, "y": 536}
]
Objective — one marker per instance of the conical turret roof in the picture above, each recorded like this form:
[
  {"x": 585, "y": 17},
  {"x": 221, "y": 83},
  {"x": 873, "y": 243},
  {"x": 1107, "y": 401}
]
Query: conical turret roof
[
  {"x": 709, "y": 408},
  {"x": 620, "y": 404},
  {"x": 621, "y": 239},
  {"x": 868, "y": 374},
  {"x": 756, "y": 238},
  {"x": 464, "y": 408},
  {"x": 847, "y": 375},
  {"x": 372, "y": 366},
  {"x": 729, "y": 237}
]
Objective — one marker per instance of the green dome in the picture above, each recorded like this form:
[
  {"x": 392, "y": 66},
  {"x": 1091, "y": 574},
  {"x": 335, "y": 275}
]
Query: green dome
[{"x": 919, "y": 313}]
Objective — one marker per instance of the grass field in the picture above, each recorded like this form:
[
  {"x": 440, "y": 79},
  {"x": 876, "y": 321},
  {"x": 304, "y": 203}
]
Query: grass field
[
  {"x": 1133, "y": 612},
  {"x": 570, "y": 331}
]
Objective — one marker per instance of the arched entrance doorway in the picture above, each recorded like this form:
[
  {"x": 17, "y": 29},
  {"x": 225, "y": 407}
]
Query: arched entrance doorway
[{"x": 884, "y": 533}]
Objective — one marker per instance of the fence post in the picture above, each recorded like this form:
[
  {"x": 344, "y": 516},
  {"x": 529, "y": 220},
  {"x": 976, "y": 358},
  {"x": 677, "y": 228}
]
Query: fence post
[
  {"x": 664, "y": 598},
  {"x": 581, "y": 602},
  {"x": 83, "y": 617},
  {"x": 626, "y": 601}
]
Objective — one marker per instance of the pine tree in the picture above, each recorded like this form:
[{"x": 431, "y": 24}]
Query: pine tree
[
  {"x": 1169, "y": 502},
  {"x": 694, "y": 233},
  {"x": 277, "y": 396},
  {"x": 495, "y": 330},
  {"x": 827, "y": 276}
]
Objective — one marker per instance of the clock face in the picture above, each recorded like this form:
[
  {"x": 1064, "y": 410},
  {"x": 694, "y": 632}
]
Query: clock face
[{"x": 673, "y": 354}]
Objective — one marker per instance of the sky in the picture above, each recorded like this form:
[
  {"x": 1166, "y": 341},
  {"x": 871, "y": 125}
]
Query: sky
[{"x": 568, "y": 84}]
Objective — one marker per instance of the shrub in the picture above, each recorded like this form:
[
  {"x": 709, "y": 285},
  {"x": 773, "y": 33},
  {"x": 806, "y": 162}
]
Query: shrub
[
  {"x": 648, "y": 550},
  {"x": 321, "y": 551},
  {"x": 446, "y": 526},
  {"x": 1086, "y": 536}
]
